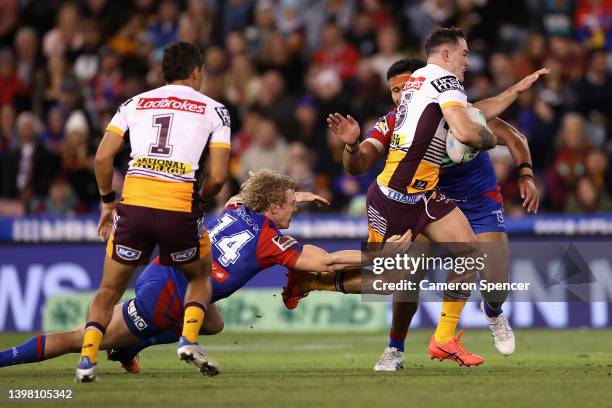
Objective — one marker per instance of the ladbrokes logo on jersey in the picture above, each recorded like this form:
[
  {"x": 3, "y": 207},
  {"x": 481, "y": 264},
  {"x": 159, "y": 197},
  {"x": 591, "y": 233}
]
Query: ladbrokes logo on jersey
[
  {"x": 164, "y": 166},
  {"x": 185, "y": 105},
  {"x": 414, "y": 83}
]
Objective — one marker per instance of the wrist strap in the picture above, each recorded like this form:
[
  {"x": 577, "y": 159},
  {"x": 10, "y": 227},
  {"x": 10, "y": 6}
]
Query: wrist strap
[
  {"x": 527, "y": 175},
  {"x": 525, "y": 165},
  {"x": 109, "y": 198}
]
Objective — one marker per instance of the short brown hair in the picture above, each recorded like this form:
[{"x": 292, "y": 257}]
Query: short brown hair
[
  {"x": 265, "y": 187},
  {"x": 440, "y": 36}
]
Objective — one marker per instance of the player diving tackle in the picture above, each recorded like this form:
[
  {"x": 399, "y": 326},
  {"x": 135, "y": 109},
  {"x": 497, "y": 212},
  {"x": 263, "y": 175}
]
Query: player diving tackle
[{"x": 245, "y": 239}]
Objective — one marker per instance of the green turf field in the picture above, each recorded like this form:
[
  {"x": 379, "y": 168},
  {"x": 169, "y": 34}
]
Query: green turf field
[{"x": 550, "y": 369}]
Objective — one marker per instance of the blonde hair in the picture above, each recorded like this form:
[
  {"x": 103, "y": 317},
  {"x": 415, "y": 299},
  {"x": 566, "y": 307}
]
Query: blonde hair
[{"x": 265, "y": 187}]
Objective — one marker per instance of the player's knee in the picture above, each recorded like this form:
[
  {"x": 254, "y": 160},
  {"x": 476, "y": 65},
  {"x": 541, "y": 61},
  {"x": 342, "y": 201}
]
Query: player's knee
[{"x": 218, "y": 327}]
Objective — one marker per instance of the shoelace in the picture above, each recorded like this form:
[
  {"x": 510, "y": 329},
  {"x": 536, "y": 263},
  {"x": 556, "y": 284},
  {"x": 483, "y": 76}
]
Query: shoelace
[
  {"x": 501, "y": 329},
  {"x": 388, "y": 356}
]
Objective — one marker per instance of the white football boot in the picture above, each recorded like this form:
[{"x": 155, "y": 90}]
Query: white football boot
[
  {"x": 391, "y": 360},
  {"x": 194, "y": 353},
  {"x": 502, "y": 333}
]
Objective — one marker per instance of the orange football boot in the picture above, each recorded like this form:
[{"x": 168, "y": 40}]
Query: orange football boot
[
  {"x": 453, "y": 350},
  {"x": 294, "y": 291}
]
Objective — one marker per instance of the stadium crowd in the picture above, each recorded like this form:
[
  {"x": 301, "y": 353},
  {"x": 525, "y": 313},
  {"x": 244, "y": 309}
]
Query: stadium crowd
[{"x": 280, "y": 67}]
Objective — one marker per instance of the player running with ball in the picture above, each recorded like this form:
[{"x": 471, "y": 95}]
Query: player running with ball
[{"x": 481, "y": 203}]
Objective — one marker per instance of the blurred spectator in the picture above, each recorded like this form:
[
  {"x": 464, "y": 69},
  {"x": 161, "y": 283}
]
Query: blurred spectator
[
  {"x": 307, "y": 117},
  {"x": 570, "y": 158},
  {"x": 387, "y": 42},
  {"x": 26, "y": 48},
  {"x": 300, "y": 167},
  {"x": 242, "y": 84},
  {"x": 53, "y": 136},
  {"x": 588, "y": 199},
  {"x": 318, "y": 13},
  {"x": 165, "y": 28},
  {"x": 362, "y": 34},
  {"x": 30, "y": 167},
  {"x": 236, "y": 14},
  {"x": 275, "y": 55},
  {"x": 66, "y": 37},
  {"x": 277, "y": 104},
  {"x": 371, "y": 96},
  {"x": 594, "y": 23},
  {"x": 105, "y": 87},
  {"x": 290, "y": 17},
  {"x": 592, "y": 94},
  {"x": 77, "y": 159},
  {"x": 60, "y": 201},
  {"x": 7, "y": 130},
  {"x": 264, "y": 23},
  {"x": 557, "y": 17},
  {"x": 335, "y": 53},
  {"x": 532, "y": 56},
  {"x": 87, "y": 64},
  {"x": 108, "y": 15},
  {"x": 268, "y": 150},
  {"x": 12, "y": 89},
  {"x": 49, "y": 84},
  {"x": 8, "y": 18}
]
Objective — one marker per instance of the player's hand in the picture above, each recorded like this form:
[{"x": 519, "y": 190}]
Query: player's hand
[
  {"x": 347, "y": 129},
  {"x": 401, "y": 244},
  {"x": 526, "y": 82},
  {"x": 235, "y": 200},
  {"x": 529, "y": 194},
  {"x": 307, "y": 197},
  {"x": 106, "y": 219}
]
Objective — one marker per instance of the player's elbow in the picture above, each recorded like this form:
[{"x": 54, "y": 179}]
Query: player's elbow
[{"x": 103, "y": 159}]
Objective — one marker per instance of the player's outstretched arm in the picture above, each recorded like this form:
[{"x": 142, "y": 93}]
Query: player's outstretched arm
[
  {"x": 495, "y": 106},
  {"x": 346, "y": 259},
  {"x": 217, "y": 174},
  {"x": 519, "y": 149},
  {"x": 357, "y": 157}
]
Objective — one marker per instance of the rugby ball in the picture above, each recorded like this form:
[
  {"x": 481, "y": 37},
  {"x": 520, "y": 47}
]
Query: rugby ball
[{"x": 457, "y": 151}]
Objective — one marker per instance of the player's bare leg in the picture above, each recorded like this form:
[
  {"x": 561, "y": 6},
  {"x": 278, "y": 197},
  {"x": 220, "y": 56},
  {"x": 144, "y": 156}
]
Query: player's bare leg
[
  {"x": 197, "y": 296},
  {"x": 115, "y": 280},
  {"x": 54, "y": 345},
  {"x": 503, "y": 336},
  {"x": 454, "y": 227}
]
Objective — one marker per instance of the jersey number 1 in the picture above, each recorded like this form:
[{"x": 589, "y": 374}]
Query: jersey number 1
[{"x": 163, "y": 123}]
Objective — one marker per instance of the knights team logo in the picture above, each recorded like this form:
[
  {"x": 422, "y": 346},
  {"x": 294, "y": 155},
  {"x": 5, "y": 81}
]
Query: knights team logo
[{"x": 283, "y": 242}]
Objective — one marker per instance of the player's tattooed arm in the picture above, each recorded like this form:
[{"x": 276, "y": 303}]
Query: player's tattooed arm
[{"x": 487, "y": 139}]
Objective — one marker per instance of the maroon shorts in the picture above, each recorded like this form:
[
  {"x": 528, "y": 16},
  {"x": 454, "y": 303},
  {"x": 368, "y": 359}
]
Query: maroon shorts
[
  {"x": 387, "y": 217},
  {"x": 182, "y": 236}
]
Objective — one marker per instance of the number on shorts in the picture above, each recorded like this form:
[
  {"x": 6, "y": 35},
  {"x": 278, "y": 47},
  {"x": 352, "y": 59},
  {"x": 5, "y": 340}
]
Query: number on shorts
[
  {"x": 162, "y": 147},
  {"x": 230, "y": 247}
]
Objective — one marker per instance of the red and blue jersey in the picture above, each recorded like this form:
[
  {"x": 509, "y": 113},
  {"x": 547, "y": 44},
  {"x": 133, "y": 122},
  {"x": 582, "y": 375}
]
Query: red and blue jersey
[{"x": 244, "y": 242}]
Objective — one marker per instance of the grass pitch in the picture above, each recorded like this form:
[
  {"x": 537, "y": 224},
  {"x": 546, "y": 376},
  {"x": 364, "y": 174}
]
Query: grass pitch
[{"x": 550, "y": 369}]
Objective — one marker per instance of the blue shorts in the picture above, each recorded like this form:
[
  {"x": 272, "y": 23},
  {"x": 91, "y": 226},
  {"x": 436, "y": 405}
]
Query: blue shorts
[
  {"x": 156, "y": 308},
  {"x": 484, "y": 212}
]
